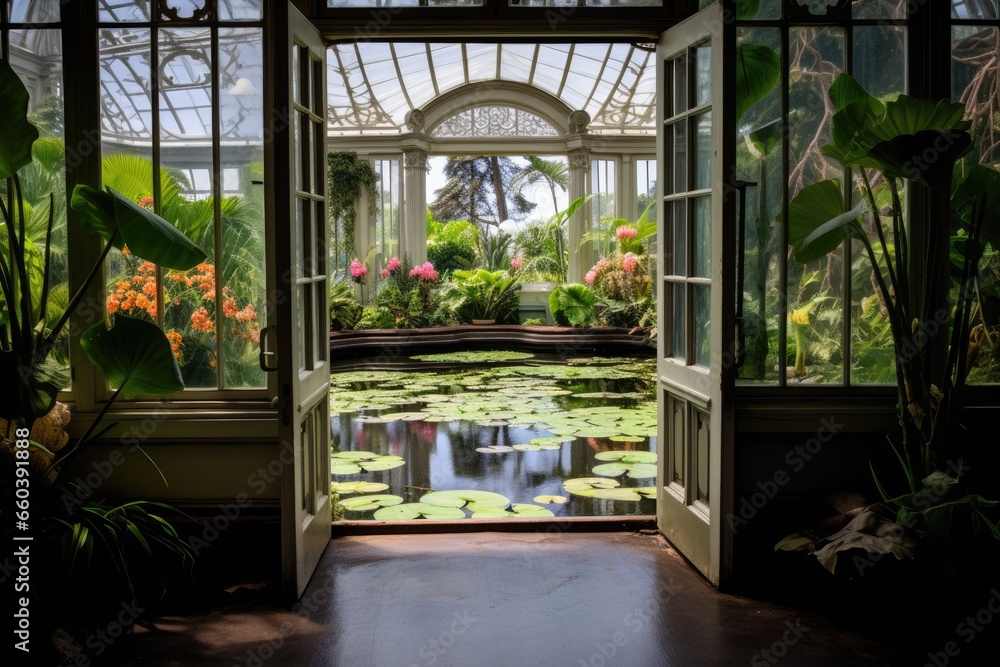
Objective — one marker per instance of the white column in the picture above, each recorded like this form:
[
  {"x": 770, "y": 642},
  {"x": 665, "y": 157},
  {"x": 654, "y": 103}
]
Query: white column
[
  {"x": 413, "y": 228},
  {"x": 625, "y": 194},
  {"x": 580, "y": 257}
]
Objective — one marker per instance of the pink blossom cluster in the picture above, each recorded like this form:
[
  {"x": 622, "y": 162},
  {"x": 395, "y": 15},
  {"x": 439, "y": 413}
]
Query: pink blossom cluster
[
  {"x": 393, "y": 266},
  {"x": 516, "y": 263},
  {"x": 630, "y": 261},
  {"x": 358, "y": 270},
  {"x": 425, "y": 272},
  {"x": 625, "y": 232},
  {"x": 591, "y": 276}
]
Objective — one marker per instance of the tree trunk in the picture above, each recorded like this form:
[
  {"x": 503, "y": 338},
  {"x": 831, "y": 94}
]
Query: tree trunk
[{"x": 498, "y": 190}]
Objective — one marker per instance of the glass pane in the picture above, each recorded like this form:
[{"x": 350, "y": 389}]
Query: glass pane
[
  {"x": 872, "y": 349},
  {"x": 879, "y": 9},
  {"x": 680, "y": 85},
  {"x": 702, "y": 324},
  {"x": 187, "y": 196},
  {"x": 766, "y": 10},
  {"x": 404, "y": 3},
  {"x": 36, "y": 57},
  {"x": 300, "y": 326},
  {"x": 677, "y": 443},
  {"x": 758, "y": 160},
  {"x": 702, "y": 166},
  {"x": 241, "y": 103},
  {"x": 702, "y": 241},
  {"x": 880, "y": 59},
  {"x": 584, "y": 3},
  {"x": 123, "y": 11},
  {"x": 603, "y": 179},
  {"x": 702, "y": 65},
  {"x": 815, "y": 292},
  {"x": 240, "y": 10},
  {"x": 680, "y": 238},
  {"x": 974, "y": 9},
  {"x": 185, "y": 10},
  {"x": 677, "y": 324},
  {"x": 702, "y": 450},
  {"x": 34, "y": 12},
  {"x": 678, "y": 161}
]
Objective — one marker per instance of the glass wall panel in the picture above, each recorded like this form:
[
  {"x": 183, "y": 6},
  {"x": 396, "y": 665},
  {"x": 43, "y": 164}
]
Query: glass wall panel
[
  {"x": 603, "y": 183},
  {"x": 385, "y": 226}
]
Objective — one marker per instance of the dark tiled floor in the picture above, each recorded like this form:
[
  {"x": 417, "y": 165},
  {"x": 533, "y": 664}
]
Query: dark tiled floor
[{"x": 503, "y": 599}]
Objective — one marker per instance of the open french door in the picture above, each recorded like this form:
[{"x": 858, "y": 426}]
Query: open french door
[
  {"x": 296, "y": 179},
  {"x": 695, "y": 306}
]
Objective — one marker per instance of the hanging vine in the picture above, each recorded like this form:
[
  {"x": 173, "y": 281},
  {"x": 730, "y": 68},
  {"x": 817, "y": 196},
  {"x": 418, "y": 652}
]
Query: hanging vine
[{"x": 347, "y": 174}]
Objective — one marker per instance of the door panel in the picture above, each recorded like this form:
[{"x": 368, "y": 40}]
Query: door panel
[
  {"x": 298, "y": 185},
  {"x": 694, "y": 420}
]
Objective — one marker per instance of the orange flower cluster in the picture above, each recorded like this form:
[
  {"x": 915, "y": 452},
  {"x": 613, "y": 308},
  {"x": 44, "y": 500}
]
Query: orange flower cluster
[
  {"x": 176, "y": 340},
  {"x": 204, "y": 279},
  {"x": 201, "y": 321},
  {"x": 138, "y": 293}
]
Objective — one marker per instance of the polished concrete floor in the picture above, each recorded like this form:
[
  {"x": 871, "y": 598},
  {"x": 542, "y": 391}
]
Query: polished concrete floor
[{"x": 484, "y": 599}]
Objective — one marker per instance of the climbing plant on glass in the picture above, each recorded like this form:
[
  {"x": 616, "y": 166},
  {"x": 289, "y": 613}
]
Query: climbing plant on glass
[{"x": 347, "y": 174}]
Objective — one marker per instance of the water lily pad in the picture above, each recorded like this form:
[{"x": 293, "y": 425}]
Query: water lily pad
[
  {"x": 618, "y": 468},
  {"x": 494, "y": 449},
  {"x": 587, "y": 483},
  {"x": 406, "y": 416},
  {"x": 551, "y": 440},
  {"x": 410, "y": 511},
  {"x": 550, "y": 500},
  {"x": 365, "y": 503},
  {"x": 351, "y": 462},
  {"x": 523, "y": 511},
  {"x": 626, "y": 456},
  {"x": 345, "y": 488},
  {"x": 535, "y": 448},
  {"x": 647, "y": 491},
  {"x": 473, "y": 500}
]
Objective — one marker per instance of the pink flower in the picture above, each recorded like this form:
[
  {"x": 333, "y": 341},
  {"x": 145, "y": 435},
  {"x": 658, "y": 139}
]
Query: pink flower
[
  {"x": 630, "y": 261},
  {"x": 385, "y": 273},
  {"x": 590, "y": 277},
  {"x": 625, "y": 232},
  {"x": 358, "y": 271},
  {"x": 602, "y": 264},
  {"x": 425, "y": 272},
  {"x": 516, "y": 263},
  {"x": 393, "y": 265}
]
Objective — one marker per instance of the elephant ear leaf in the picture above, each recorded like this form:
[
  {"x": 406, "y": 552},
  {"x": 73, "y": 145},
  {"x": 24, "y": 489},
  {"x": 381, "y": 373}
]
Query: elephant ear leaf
[
  {"x": 758, "y": 70},
  {"x": 135, "y": 356},
  {"x": 151, "y": 237},
  {"x": 817, "y": 221},
  {"x": 845, "y": 91},
  {"x": 97, "y": 213},
  {"x": 981, "y": 181},
  {"x": 19, "y": 134}
]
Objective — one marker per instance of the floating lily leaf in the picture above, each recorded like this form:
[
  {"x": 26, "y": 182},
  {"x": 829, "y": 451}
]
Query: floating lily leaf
[
  {"x": 405, "y": 416},
  {"x": 346, "y": 488},
  {"x": 634, "y": 470},
  {"x": 549, "y": 500},
  {"x": 473, "y": 500},
  {"x": 494, "y": 449},
  {"x": 596, "y": 487},
  {"x": 647, "y": 491},
  {"x": 410, "y": 511},
  {"x": 348, "y": 463},
  {"x": 365, "y": 503},
  {"x": 627, "y": 456},
  {"x": 536, "y": 448},
  {"x": 522, "y": 511},
  {"x": 553, "y": 440}
]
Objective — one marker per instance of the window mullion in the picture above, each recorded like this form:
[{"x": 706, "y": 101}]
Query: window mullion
[{"x": 220, "y": 259}]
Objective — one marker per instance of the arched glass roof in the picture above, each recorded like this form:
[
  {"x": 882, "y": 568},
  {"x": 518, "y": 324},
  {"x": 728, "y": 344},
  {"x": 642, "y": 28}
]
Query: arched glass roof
[{"x": 373, "y": 85}]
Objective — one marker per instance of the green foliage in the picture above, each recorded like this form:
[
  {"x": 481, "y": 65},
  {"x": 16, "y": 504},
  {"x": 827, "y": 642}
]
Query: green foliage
[
  {"x": 758, "y": 71},
  {"x": 484, "y": 295},
  {"x": 347, "y": 175},
  {"x": 376, "y": 317},
  {"x": 452, "y": 246},
  {"x": 572, "y": 305},
  {"x": 345, "y": 311},
  {"x": 479, "y": 190},
  {"x": 494, "y": 251}
]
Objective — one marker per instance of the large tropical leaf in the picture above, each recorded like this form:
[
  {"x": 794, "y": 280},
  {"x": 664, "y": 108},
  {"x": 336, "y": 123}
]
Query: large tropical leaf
[
  {"x": 845, "y": 91},
  {"x": 849, "y": 131},
  {"x": 817, "y": 221},
  {"x": 18, "y": 133},
  {"x": 572, "y": 305},
  {"x": 929, "y": 156},
  {"x": 747, "y": 10},
  {"x": 766, "y": 138},
  {"x": 151, "y": 237},
  {"x": 980, "y": 182},
  {"x": 134, "y": 355},
  {"x": 97, "y": 213},
  {"x": 758, "y": 70}
]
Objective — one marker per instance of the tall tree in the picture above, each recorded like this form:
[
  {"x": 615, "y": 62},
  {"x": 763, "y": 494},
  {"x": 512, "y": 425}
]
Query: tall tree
[
  {"x": 539, "y": 170},
  {"x": 479, "y": 190}
]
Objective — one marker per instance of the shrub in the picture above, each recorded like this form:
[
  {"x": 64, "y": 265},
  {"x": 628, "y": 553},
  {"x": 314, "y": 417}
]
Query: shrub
[
  {"x": 484, "y": 295},
  {"x": 572, "y": 305},
  {"x": 345, "y": 311}
]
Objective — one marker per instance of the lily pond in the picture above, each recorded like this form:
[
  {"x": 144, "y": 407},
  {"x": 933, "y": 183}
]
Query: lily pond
[{"x": 494, "y": 434}]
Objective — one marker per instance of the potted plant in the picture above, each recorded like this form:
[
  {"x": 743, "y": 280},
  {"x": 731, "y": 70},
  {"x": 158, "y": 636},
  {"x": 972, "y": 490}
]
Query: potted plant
[
  {"x": 929, "y": 284},
  {"x": 69, "y": 523}
]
